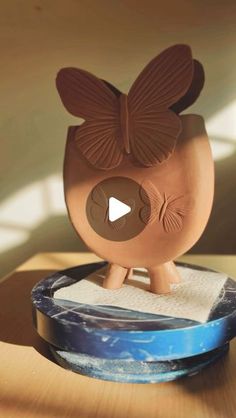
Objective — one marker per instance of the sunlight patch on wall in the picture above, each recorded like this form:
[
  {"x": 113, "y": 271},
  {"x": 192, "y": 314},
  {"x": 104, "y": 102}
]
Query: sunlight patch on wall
[
  {"x": 25, "y": 210},
  {"x": 10, "y": 238},
  {"x": 221, "y": 128}
]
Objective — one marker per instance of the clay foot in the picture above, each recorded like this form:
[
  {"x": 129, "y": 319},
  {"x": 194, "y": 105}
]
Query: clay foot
[
  {"x": 172, "y": 271},
  {"x": 129, "y": 274},
  {"x": 115, "y": 276},
  {"x": 162, "y": 276}
]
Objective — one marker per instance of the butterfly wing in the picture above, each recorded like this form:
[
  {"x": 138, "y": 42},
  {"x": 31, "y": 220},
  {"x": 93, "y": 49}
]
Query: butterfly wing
[
  {"x": 172, "y": 221},
  {"x": 98, "y": 140},
  {"x": 153, "y": 127},
  {"x": 118, "y": 224},
  {"x": 154, "y": 142},
  {"x": 152, "y": 200},
  {"x": 88, "y": 97},
  {"x": 194, "y": 90},
  {"x": 174, "y": 215},
  {"x": 99, "y": 197},
  {"x": 100, "y": 202},
  {"x": 84, "y": 95}
]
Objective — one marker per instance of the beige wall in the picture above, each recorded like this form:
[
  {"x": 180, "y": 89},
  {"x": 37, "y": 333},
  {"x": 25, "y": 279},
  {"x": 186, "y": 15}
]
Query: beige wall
[{"x": 113, "y": 39}]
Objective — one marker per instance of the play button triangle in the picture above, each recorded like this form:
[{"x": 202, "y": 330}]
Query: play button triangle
[{"x": 117, "y": 209}]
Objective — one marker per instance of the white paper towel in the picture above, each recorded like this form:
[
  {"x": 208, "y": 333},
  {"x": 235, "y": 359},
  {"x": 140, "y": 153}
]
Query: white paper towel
[{"x": 193, "y": 298}]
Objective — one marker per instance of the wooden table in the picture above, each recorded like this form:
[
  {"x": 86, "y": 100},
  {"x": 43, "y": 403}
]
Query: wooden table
[{"x": 33, "y": 385}]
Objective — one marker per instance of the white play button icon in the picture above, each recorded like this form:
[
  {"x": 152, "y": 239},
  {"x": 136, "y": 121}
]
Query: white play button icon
[
  {"x": 117, "y": 209},
  {"x": 114, "y": 208}
]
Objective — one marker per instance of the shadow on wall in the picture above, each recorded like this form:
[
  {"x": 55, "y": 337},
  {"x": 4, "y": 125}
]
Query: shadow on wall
[{"x": 54, "y": 234}]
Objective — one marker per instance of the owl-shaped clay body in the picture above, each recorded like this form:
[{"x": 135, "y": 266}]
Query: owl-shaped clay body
[{"x": 170, "y": 195}]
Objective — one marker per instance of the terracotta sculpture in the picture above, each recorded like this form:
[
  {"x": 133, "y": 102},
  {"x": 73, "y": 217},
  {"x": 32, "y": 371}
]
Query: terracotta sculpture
[{"x": 136, "y": 149}]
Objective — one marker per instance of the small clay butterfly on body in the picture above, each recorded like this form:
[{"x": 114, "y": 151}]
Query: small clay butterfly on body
[
  {"x": 144, "y": 123},
  {"x": 169, "y": 209}
]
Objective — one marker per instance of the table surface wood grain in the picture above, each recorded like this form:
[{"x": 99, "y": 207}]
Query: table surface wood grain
[{"x": 33, "y": 385}]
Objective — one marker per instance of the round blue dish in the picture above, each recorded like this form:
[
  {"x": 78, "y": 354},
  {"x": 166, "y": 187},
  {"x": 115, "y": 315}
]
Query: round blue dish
[{"x": 124, "y": 345}]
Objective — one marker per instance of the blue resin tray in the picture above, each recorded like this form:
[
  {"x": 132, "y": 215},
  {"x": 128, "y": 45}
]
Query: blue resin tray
[{"x": 124, "y": 345}]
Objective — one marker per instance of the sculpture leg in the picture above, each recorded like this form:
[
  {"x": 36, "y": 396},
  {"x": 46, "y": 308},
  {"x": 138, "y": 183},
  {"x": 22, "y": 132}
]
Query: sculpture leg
[
  {"x": 129, "y": 274},
  {"x": 115, "y": 276},
  {"x": 161, "y": 276},
  {"x": 173, "y": 273}
]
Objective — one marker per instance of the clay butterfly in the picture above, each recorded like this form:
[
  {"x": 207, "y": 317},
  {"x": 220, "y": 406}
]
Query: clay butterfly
[
  {"x": 169, "y": 209},
  {"x": 142, "y": 124}
]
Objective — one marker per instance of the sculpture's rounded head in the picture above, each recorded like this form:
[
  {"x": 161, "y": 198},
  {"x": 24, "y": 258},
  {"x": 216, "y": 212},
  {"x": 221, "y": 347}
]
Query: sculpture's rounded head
[{"x": 135, "y": 171}]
